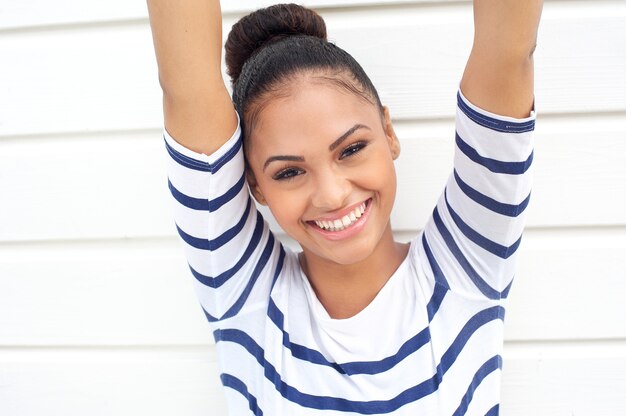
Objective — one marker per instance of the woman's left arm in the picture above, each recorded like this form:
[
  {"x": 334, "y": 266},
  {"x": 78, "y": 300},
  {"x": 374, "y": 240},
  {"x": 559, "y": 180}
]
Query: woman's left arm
[
  {"x": 499, "y": 73},
  {"x": 475, "y": 231}
]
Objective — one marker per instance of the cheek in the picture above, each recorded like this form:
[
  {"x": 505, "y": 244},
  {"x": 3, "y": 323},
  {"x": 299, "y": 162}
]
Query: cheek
[
  {"x": 378, "y": 173},
  {"x": 287, "y": 205}
]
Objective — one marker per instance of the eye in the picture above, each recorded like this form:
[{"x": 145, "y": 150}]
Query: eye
[
  {"x": 352, "y": 149},
  {"x": 286, "y": 174}
]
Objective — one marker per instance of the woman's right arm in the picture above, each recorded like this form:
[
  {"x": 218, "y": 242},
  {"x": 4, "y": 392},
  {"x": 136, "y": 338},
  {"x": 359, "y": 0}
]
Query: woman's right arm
[
  {"x": 229, "y": 248},
  {"x": 197, "y": 108}
]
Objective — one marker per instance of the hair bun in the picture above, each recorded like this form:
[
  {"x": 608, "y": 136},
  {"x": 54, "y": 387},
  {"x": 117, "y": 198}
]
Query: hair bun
[{"x": 265, "y": 26}]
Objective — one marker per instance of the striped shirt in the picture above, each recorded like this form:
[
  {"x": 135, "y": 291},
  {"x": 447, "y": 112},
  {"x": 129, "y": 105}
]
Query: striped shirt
[{"x": 430, "y": 343}]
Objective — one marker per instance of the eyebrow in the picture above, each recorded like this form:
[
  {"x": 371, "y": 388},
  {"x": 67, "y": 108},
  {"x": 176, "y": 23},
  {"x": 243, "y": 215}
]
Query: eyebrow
[
  {"x": 286, "y": 158},
  {"x": 331, "y": 147},
  {"x": 347, "y": 134}
]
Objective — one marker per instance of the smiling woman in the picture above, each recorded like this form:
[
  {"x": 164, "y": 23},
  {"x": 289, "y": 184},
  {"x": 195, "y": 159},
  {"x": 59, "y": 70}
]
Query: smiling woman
[
  {"x": 340, "y": 155},
  {"x": 354, "y": 323}
]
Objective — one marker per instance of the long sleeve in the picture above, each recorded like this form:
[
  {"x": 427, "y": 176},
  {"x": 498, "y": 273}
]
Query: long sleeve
[
  {"x": 230, "y": 250},
  {"x": 472, "y": 238}
]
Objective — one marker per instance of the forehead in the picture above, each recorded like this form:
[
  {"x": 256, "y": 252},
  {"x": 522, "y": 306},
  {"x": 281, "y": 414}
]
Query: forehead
[{"x": 311, "y": 111}]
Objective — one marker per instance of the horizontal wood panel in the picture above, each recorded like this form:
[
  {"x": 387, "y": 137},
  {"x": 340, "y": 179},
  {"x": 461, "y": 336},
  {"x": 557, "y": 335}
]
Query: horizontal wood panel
[
  {"x": 100, "y": 382},
  {"x": 94, "y": 187},
  {"x": 112, "y": 186},
  {"x": 564, "y": 380},
  {"x": 546, "y": 380},
  {"x": 570, "y": 285},
  {"x": 84, "y": 79},
  {"x": 36, "y": 13},
  {"x": 99, "y": 294},
  {"x": 104, "y": 78},
  {"x": 42, "y": 14}
]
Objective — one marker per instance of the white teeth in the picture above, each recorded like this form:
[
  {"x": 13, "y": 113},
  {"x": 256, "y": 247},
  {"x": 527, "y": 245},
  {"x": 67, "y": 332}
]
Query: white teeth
[
  {"x": 360, "y": 210},
  {"x": 344, "y": 222}
]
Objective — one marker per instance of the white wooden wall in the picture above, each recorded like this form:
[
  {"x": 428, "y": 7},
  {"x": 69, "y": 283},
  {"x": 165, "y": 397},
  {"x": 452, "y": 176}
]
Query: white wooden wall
[{"x": 97, "y": 313}]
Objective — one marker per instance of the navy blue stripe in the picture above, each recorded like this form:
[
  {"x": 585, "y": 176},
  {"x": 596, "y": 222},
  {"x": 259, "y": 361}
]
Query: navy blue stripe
[
  {"x": 494, "y": 123},
  {"x": 480, "y": 283},
  {"x": 505, "y": 292},
  {"x": 223, "y": 277},
  {"x": 435, "y": 301},
  {"x": 487, "y": 368},
  {"x": 225, "y": 237},
  {"x": 359, "y": 367},
  {"x": 323, "y": 402},
  {"x": 499, "y": 250},
  {"x": 351, "y": 368},
  {"x": 187, "y": 161},
  {"x": 203, "y": 204},
  {"x": 281, "y": 260},
  {"x": 496, "y": 166},
  {"x": 239, "y": 386},
  {"x": 254, "y": 276},
  {"x": 473, "y": 324},
  {"x": 494, "y": 411},
  {"x": 298, "y": 351},
  {"x": 437, "y": 272},
  {"x": 412, "y": 394},
  {"x": 491, "y": 204},
  {"x": 194, "y": 164}
]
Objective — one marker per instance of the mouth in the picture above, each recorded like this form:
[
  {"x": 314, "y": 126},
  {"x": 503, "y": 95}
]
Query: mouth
[{"x": 349, "y": 221}]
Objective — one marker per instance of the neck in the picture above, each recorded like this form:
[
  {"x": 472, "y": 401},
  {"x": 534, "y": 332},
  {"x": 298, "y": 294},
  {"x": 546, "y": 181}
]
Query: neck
[{"x": 346, "y": 289}]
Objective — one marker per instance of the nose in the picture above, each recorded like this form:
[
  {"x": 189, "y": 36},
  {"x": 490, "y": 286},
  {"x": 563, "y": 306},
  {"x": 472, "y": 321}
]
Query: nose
[{"x": 331, "y": 190}]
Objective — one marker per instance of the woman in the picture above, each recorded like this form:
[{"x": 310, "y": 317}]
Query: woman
[{"x": 355, "y": 323}]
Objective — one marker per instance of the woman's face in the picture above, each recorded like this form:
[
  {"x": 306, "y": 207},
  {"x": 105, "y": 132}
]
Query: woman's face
[{"x": 322, "y": 160}]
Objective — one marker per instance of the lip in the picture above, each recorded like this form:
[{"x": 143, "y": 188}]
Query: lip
[{"x": 347, "y": 232}]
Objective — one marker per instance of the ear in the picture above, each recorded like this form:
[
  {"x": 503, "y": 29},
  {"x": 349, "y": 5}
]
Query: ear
[
  {"x": 394, "y": 143},
  {"x": 254, "y": 187}
]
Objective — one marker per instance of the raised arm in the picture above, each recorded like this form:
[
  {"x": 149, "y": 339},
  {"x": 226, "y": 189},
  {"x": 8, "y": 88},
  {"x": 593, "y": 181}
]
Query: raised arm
[
  {"x": 187, "y": 36},
  {"x": 472, "y": 238},
  {"x": 499, "y": 72}
]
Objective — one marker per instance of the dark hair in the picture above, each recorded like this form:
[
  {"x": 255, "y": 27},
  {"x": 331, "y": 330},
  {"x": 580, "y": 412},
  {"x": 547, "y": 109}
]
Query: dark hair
[{"x": 267, "y": 47}]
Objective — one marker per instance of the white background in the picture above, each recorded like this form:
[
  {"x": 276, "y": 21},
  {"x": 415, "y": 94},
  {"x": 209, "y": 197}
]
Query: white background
[{"x": 97, "y": 312}]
